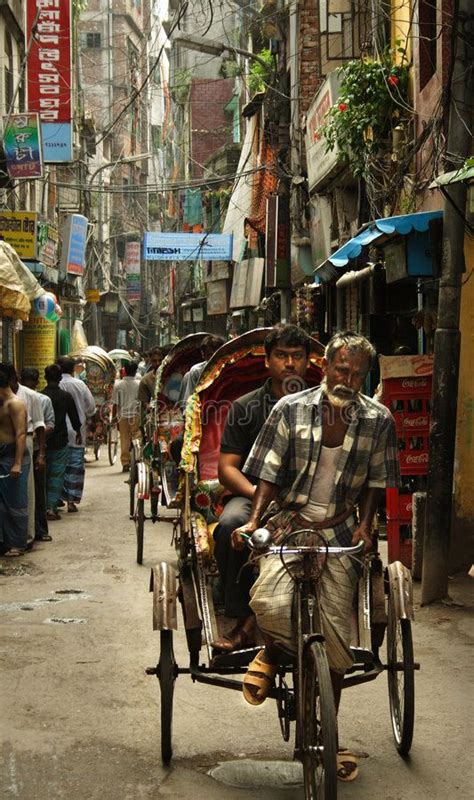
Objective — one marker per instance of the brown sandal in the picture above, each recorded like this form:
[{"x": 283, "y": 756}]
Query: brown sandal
[{"x": 260, "y": 675}]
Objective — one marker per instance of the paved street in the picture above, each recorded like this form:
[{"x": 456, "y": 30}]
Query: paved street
[{"x": 80, "y": 719}]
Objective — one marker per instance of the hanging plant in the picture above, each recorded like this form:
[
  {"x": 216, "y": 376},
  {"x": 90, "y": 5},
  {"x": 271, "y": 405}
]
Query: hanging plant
[{"x": 373, "y": 99}]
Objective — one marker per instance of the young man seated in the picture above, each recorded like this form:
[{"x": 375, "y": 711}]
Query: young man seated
[{"x": 287, "y": 350}]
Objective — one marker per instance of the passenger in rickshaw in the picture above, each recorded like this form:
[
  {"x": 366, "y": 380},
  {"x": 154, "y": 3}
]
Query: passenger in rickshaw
[
  {"x": 287, "y": 351},
  {"x": 210, "y": 344},
  {"x": 322, "y": 452}
]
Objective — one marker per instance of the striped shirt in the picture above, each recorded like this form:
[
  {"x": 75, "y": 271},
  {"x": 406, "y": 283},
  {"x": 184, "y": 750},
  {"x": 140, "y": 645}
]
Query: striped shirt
[{"x": 287, "y": 451}]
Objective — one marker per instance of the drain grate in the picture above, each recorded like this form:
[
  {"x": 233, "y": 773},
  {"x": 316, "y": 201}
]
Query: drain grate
[{"x": 65, "y": 621}]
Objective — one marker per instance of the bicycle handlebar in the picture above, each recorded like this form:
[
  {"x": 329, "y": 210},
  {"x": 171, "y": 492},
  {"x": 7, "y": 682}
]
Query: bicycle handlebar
[{"x": 260, "y": 540}]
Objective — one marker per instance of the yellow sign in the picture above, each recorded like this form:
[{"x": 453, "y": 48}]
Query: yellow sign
[
  {"x": 39, "y": 345},
  {"x": 18, "y": 228},
  {"x": 92, "y": 295}
]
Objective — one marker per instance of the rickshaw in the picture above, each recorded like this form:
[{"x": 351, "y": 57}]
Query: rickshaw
[
  {"x": 302, "y": 690},
  {"x": 153, "y": 473},
  {"x": 100, "y": 374}
]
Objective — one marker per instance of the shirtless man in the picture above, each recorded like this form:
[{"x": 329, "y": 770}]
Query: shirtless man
[{"x": 14, "y": 468}]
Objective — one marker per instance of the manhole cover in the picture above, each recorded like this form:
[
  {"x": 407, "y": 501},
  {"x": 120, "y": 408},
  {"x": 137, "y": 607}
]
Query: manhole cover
[{"x": 248, "y": 774}]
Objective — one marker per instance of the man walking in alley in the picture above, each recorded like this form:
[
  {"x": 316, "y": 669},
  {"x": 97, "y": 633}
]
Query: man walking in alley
[
  {"x": 75, "y": 468},
  {"x": 29, "y": 377},
  {"x": 14, "y": 469},
  {"x": 35, "y": 435},
  {"x": 57, "y": 443},
  {"x": 126, "y": 408}
]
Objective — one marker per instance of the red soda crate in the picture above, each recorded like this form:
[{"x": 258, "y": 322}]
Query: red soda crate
[
  {"x": 399, "y": 540},
  {"x": 399, "y": 505}
]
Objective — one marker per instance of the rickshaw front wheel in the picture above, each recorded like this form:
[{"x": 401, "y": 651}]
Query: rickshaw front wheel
[
  {"x": 319, "y": 737},
  {"x": 132, "y": 481},
  {"x": 166, "y": 672},
  {"x": 401, "y": 678}
]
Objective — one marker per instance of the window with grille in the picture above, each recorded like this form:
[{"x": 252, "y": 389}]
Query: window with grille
[{"x": 91, "y": 40}]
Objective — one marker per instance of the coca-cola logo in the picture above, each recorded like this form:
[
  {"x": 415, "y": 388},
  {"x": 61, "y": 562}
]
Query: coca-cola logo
[
  {"x": 408, "y": 507},
  {"x": 415, "y": 422},
  {"x": 421, "y": 459},
  {"x": 413, "y": 384}
]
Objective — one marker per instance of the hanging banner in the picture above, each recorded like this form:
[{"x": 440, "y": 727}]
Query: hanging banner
[
  {"x": 49, "y": 72},
  {"x": 39, "y": 345},
  {"x": 132, "y": 268},
  {"x": 187, "y": 246},
  {"x": 22, "y": 145},
  {"x": 74, "y": 239}
]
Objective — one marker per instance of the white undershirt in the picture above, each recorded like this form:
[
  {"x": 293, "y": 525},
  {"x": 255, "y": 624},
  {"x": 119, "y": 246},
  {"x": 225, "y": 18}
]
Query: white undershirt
[{"x": 323, "y": 484}]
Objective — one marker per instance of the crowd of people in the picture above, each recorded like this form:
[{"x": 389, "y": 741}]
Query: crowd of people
[{"x": 43, "y": 441}]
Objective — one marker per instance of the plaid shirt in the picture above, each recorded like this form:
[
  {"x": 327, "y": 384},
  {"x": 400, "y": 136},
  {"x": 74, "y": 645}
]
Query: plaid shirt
[{"x": 287, "y": 450}]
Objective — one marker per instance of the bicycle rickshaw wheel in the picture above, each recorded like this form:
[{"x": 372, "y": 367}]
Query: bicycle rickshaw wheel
[
  {"x": 139, "y": 528},
  {"x": 166, "y": 671},
  {"x": 112, "y": 444},
  {"x": 132, "y": 481},
  {"x": 401, "y": 682},
  {"x": 319, "y": 733}
]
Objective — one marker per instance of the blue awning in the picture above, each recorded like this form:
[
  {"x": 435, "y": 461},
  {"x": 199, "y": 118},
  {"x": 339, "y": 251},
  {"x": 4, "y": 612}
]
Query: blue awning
[{"x": 389, "y": 226}]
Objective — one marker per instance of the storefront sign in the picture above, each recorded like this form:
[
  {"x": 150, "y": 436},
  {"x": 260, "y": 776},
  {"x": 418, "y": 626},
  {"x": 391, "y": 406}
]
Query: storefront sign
[
  {"x": 92, "y": 295},
  {"x": 187, "y": 247},
  {"x": 18, "y": 228},
  {"x": 39, "y": 345},
  {"x": 74, "y": 239},
  {"x": 49, "y": 74},
  {"x": 247, "y": 283},
  {"x": 321, "y": 164},
  {"x": 47, "y": 241},
  {"x": 277, "y": 243},
  {"x": 217, "y": 297},
  {"x": 132, "y": 269},
  {"x": 22, "y": 145}
]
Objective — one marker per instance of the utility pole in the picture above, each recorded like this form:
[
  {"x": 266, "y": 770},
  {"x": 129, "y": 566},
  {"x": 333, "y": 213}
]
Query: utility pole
[{"x": 447, "y": 336}]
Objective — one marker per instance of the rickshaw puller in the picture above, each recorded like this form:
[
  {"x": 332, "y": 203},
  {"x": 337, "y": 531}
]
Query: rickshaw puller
[{"x": 323, "y": 451}]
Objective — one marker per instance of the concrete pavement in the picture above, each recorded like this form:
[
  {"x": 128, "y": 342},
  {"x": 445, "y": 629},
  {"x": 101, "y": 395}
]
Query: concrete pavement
[{"x": 79, "y": 718}]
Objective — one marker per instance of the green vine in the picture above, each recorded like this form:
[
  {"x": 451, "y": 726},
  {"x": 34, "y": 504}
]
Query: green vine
[
  {"x": 259, "y": 76},
  {"x": 373, "y": 99}
]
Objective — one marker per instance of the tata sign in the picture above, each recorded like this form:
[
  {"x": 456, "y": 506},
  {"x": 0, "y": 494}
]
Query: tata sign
[
  {"x": 187, "y": 247},
  {"x": 321, "y": 165}
]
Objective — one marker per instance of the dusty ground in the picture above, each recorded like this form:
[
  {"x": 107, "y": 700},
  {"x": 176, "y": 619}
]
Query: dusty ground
[{"x": 80, "y": 719}]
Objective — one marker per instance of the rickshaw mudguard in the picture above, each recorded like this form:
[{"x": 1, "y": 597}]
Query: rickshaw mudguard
[
  {"x": 401, "y": 589},
  {"x": 143, "y": 481},
  {"x": 164, "y": 587}
]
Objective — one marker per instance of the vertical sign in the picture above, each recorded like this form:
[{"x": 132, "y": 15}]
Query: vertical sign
[
  {"x": 132, "y": 266},
  {"x": 39, "y": 345},
  {"x": 22, "y": 145},
  {"x": 74, "y": 240},
  {"x": 49, "y": 71}
]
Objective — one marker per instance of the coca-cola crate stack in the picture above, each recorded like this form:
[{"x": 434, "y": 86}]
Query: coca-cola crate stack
[{"x": 406, "y": 382}]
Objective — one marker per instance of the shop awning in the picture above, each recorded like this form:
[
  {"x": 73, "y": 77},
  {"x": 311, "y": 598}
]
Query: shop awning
[{"x": 389, "y": 226}]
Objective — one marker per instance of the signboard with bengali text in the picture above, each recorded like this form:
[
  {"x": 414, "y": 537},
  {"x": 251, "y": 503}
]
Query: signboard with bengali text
[
  {"x": 49, "y": 74},
  {"x": 22, "y": 145},
  {"x": 39, "y": 345}
]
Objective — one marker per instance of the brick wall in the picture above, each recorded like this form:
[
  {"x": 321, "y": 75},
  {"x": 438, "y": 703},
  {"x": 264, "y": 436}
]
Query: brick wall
[
  {"x": 309, "y": 47},
  {"x": 211, "y": 127}
]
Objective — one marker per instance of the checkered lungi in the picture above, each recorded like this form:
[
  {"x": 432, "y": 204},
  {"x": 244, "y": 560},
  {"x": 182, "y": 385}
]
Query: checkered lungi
[
  {"x": 272, "y": 595},
  {"x": 74, "y": 474}
]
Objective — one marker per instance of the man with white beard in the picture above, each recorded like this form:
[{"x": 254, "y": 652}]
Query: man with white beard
[{"x": 326, "y": 453}]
